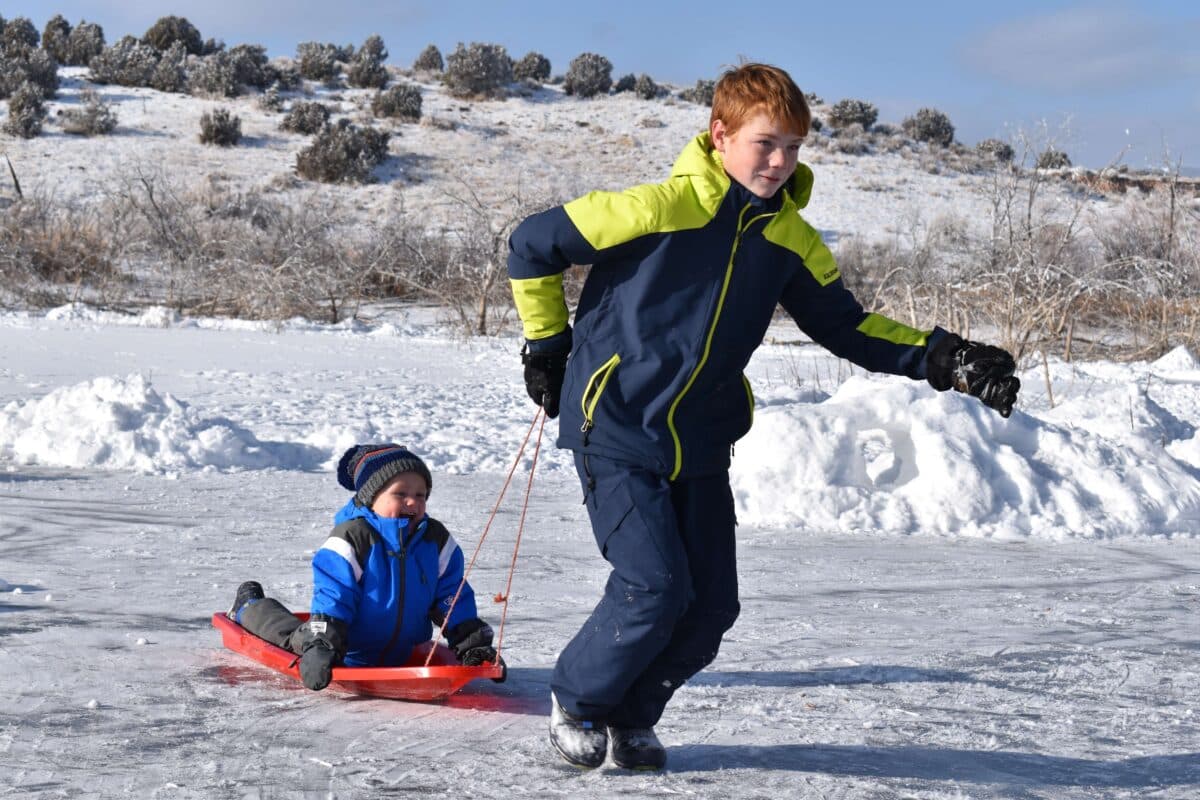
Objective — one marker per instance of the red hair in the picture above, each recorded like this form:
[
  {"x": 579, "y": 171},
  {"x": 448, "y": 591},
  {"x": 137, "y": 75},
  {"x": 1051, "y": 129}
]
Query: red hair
[{"x": 747, "y": 89}]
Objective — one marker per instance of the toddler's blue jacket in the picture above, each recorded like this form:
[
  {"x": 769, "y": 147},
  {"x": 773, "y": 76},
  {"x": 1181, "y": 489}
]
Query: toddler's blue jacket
[{"x": 390, "y": 580}]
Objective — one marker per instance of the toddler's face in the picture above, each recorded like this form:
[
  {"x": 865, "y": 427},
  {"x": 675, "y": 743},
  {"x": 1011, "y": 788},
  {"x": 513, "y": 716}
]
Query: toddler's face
[
  {"x": 402, "y": 496},
  {"x": 761, "y": 155}
]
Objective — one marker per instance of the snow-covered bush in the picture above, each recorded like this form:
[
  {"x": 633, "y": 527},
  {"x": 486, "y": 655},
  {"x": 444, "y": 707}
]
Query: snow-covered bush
[
  {"x": 271, "y": 100},
  {"x": 28, "y": 66},
  {"x": 170, "y": 29},
  {"x": 930, "y": 125},
  {"x": 85, "y": 43},
  {"x": 305, "y": 117},
  {"x": 849, "y": 111},
  {"x": 480, "y": 70},
  {"x": 366, "y": 70},
  {"x": 1051, "y": 158},
  {"x": 127, "y": 62},
  {"x": 249, "y": 62},
  {"x": 701, "y": 93},
  {"x": 220, "y": 128},
  {"x": 318, "y": 61},
  {"x": 18, "y": 35},
  {"x": 55, "y": 38},
  {"x": 213, "y": 76},
  {"x": 93, "y": 117},
  {"x": 25, "y": 112},
  {"x": 625, "y": 83},
  {"x": 171, "y": 72},
  {"x": 343, "y": 153},
  {"x": 588, "y": 75},
  {"x": 533, "y": 66},
  {"x": 402, "y": 101},
  {"x": 429, "y": 60},
  {"x": 998, "y": 149},
  {"x": 646, "y": 88}
]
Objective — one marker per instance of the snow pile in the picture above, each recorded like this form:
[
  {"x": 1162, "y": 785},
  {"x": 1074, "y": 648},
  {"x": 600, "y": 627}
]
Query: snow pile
[
  {"x": 123, "y": 423},
  {"x": 890, "y": 456}
]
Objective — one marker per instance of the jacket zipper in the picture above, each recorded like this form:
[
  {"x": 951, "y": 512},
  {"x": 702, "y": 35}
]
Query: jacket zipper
[
  {"x": 403, "y": 555},
  {"x": 712, "y": 329},
  {"x": 591, "y": 393}
]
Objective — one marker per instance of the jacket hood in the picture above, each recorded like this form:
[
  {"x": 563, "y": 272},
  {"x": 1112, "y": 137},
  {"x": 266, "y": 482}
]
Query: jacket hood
[{"x": 702, "y": 163}]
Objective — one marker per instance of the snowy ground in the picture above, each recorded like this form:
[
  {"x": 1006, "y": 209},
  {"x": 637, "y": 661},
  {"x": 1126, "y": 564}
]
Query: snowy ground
[{"x": 937, "y": 603}]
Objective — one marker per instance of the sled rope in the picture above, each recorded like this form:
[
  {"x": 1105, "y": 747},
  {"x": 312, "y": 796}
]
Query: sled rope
[{"x": 538, "y": 416}]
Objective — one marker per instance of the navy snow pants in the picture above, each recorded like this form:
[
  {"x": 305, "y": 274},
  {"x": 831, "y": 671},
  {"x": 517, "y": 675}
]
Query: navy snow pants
[{"x": 670, "y": 597}]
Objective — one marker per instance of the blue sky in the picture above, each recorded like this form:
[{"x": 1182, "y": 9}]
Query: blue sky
[{"x": 1105, "y": 78}]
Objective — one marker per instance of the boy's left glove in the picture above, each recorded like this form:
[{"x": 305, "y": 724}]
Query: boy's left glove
[{"x": 980, "y": 370}]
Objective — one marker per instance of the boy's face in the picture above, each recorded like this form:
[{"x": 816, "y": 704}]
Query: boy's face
[
  {"x": 402, "y": 496},
  {"x": 761, "y": 155}
]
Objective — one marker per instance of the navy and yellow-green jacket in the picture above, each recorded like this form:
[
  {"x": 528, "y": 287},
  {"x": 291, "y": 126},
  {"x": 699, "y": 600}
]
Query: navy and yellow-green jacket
[{"x": 685, "y": 277}]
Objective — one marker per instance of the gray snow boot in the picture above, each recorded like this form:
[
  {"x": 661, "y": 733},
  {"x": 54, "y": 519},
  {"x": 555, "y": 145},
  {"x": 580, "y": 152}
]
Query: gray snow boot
[
  {"x": 582, "y": 742},
  {"x": 636, "y": 748}
]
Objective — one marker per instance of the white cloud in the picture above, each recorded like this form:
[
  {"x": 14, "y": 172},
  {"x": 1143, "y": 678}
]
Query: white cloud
[{"x": 1087, "y": 49}]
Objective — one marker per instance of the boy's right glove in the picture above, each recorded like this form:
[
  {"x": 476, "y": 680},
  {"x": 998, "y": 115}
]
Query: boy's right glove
[
  {"x": 980, "y": 370},
  {"x": 322, "y": 645},
  {"x": 471, "y": 641}
]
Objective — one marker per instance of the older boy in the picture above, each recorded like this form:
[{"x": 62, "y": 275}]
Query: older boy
[
  {"x": 685, "y": 278},
  {"x": 382, "y": 579}
]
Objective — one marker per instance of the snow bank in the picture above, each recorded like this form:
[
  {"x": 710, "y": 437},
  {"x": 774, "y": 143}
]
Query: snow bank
[
  {"x": 123, "y": 423},
  {"x": 890, "y": 456}
]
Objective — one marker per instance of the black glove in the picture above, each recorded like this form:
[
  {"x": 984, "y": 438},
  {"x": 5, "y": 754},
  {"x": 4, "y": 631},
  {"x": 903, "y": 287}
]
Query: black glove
[
  {"x": 980, "y": 370},
  {"x": 322, "y": 643},
  {"x": 544, "y": 374},
  {"x": 478, "y": 656},
  {"x": 316, "y": 664}
]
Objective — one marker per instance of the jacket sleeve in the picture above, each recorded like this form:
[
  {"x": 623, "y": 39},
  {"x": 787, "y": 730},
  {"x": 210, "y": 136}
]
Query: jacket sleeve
[
  {"x": 829, "y": 313},
  {"x": 338, "y": 568}
]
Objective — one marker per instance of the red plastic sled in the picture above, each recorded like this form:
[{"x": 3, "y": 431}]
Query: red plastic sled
[{"x": 443, "y": 677}]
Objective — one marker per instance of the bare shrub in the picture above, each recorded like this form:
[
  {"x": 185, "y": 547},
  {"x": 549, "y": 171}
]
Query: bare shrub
[
  {"x": 93, "y": 117},
  {"x": 588, "y": 75},
  {"x": 305, "y": 117},
  {"x": 85, "y": 43},
  {"x": 168, "y": 30},
  {"x": 402, "y": 101},
  {"x": 533, "y": 66},
  {"x": 849, "y": 112},
  {"x": 930, "y": 125},
  {"x": 343, "y": 153},
  {"x": 220, "y": 127},
  {"x": 480, "y": 70},
  {"x": 50, "y": 255},
  {"x": 25, "y": 112},
  {"x": 429, "y": 60}
]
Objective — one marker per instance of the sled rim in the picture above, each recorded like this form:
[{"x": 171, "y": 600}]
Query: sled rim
[{"x": 443, "y": 677}]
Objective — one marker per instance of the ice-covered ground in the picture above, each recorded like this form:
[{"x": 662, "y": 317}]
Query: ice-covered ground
[{"x": 937, "y": 602}]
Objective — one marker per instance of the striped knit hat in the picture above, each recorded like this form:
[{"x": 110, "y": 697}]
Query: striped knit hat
[{"x": 366, "y": 468}]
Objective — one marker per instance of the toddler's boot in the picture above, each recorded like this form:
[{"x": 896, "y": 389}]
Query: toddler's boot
[
  {"x": 582, "y": 742},
  {"x": 246, "y": 593}
]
